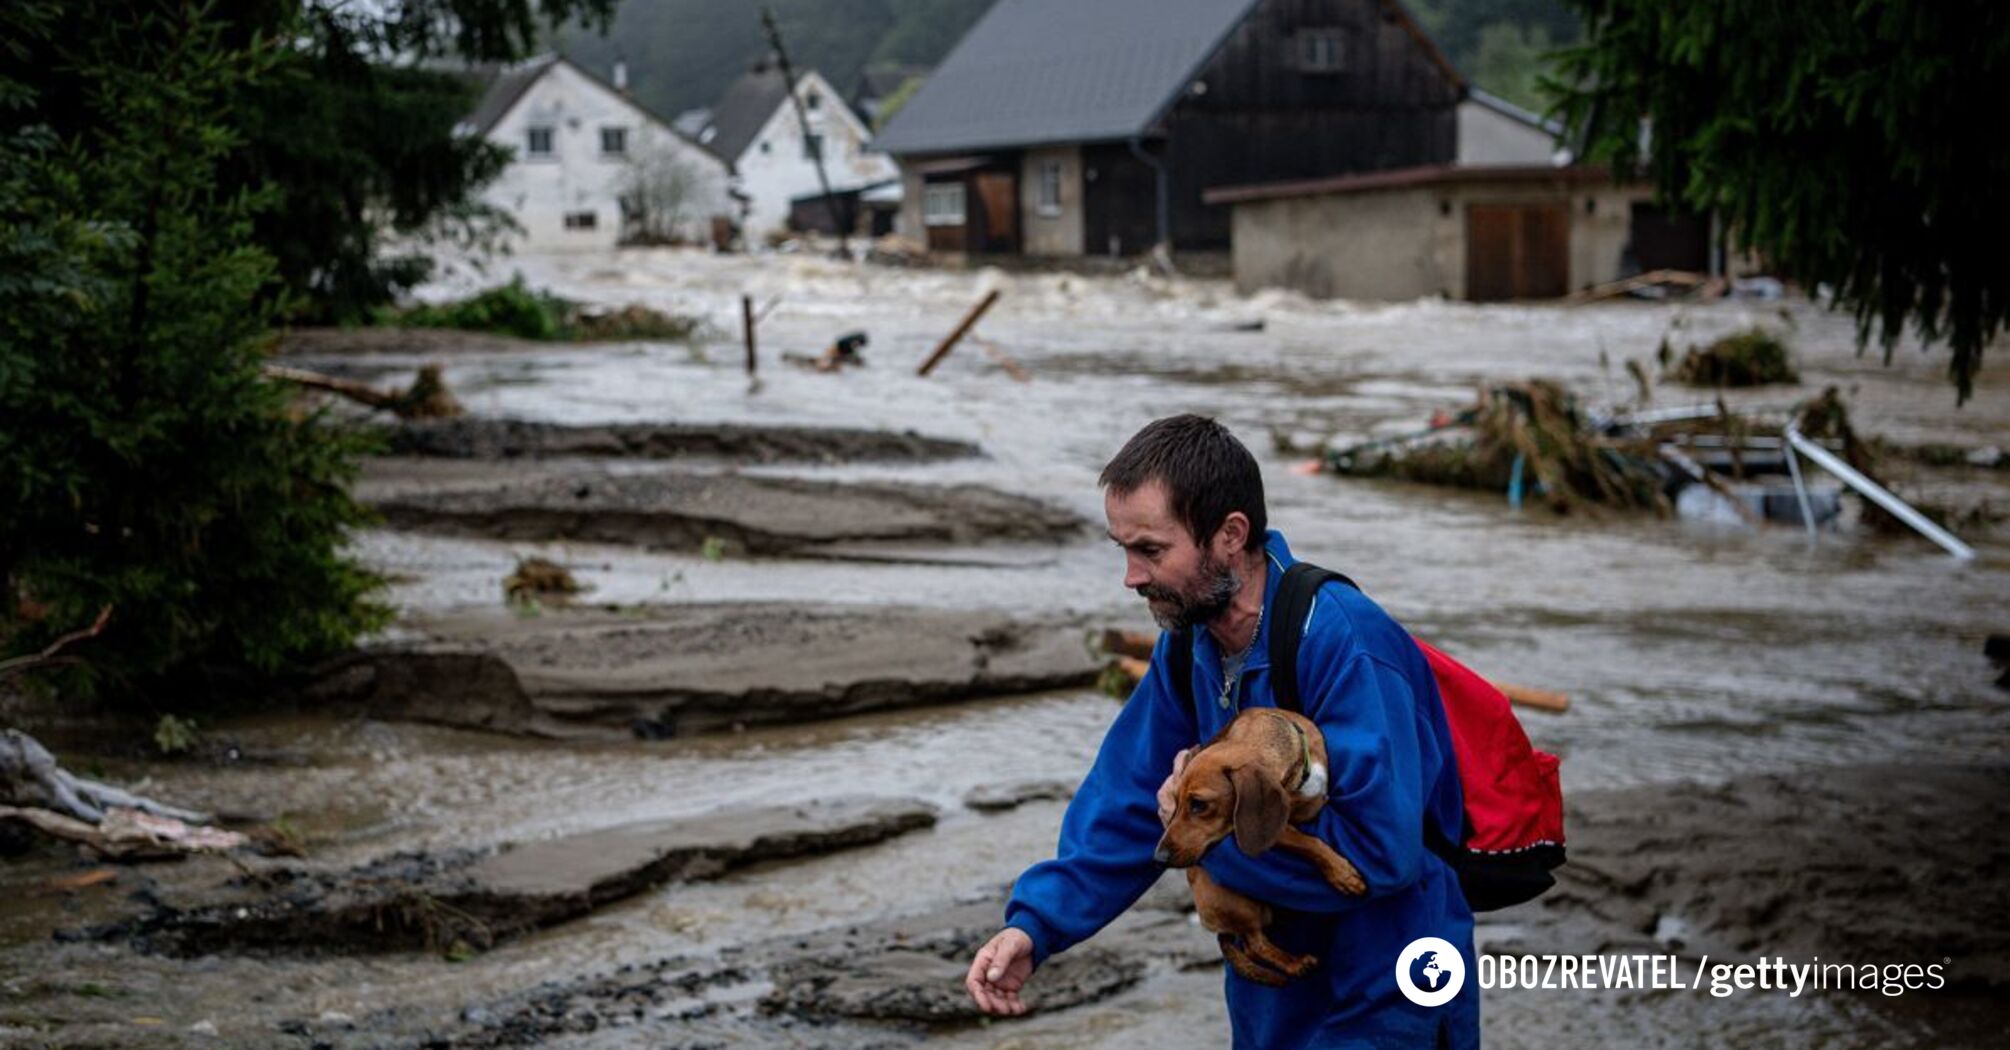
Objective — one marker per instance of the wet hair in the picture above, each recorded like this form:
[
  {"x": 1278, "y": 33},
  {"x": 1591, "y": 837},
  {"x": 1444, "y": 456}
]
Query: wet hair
[{"x": 1207, "y": 473}]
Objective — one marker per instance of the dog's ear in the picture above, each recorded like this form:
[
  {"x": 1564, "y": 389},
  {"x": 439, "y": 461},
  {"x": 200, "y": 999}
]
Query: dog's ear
[{"x": 1260, "y": 809}]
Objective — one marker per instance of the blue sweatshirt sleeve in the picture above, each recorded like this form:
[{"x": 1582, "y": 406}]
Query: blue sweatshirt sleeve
[
  {"x": 1374, "y": 814},
  {"x": 1104, "y": 863}
]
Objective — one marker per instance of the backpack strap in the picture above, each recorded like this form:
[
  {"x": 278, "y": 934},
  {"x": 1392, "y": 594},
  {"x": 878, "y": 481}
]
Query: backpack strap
[
  {"x": 1179, "y": 664},
  {"x": 1295, "y": 593}
]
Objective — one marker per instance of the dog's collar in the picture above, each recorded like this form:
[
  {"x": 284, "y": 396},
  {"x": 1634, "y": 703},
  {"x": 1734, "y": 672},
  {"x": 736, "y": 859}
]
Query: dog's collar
[{"x": 1311, "y": 775}]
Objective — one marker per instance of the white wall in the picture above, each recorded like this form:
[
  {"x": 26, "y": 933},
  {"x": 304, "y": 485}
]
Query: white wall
[
  {"x": 1488, "y": 136},
  {"x": 774, "y": 176},
  {"x": 578, "y": 177}
]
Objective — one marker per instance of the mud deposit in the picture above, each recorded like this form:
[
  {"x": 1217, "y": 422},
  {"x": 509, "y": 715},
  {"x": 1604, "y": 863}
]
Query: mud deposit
[
  {"x": 682, "y": 669},
  {"x": 465, "y": 901},
  {"x": 738, "y": 514},
  {"x": 527, "y": 439}
]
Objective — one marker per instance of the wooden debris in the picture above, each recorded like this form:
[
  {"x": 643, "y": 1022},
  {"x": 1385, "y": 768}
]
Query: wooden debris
[
  {"x": 1539, "y": 699},
  {"x": 747, "y": 323},
  {"x": 82, "y": 880},
  {"x": 52, "y": 655},
  {"x": 1003, "y": 360},
  {"x": 962, "y": 328},
  {"x": 427, "y": 398},
  {"x": 539, "y": 579},
  {"x": 127, "y": 834},
  {"x": 31, "y": 779},
  {"x": 1674, "y": 278}
]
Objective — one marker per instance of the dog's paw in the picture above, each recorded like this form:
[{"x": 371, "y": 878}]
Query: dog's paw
[{"x": 1345, "y": 877}]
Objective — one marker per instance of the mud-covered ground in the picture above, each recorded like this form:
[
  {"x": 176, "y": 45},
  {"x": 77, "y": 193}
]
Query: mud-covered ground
[{"x": 765, "y": 781}]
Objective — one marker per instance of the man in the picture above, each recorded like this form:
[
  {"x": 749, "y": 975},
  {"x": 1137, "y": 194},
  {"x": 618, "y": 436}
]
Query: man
[{"x": 1184, "y": 500}]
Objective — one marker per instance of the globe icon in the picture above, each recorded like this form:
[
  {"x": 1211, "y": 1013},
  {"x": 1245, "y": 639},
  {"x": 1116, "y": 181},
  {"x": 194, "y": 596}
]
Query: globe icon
[{"x": 1427, "y": 973}]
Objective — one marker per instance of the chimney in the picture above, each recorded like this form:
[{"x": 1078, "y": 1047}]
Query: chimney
[{"x": 621, "y": 75}]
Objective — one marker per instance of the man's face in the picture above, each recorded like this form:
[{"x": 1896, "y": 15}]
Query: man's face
[{"x": 1184, "y": 583}]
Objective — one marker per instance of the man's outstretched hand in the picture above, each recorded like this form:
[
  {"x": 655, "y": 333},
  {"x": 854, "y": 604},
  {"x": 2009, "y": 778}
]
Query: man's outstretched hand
[{"x": 999, "y": 971}]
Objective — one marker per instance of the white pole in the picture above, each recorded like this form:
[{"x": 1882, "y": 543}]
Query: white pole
[{"x": 1899, "y": 509}]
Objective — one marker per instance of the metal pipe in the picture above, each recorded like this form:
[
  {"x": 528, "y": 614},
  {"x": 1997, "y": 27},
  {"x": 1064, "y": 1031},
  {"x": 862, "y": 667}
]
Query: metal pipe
[
  {"x": 1876, "y": 493},
  {"x": 1801, "y": 493},
  {"x": 1164, "y": 201}
]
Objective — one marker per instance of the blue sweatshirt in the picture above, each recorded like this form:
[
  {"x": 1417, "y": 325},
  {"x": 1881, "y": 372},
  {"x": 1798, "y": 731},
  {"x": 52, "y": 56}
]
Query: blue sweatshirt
[{"x": 1390, "y": 769}]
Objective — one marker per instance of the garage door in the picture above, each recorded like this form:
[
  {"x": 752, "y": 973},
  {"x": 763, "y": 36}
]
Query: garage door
[{"x": 1517, "y": 251}]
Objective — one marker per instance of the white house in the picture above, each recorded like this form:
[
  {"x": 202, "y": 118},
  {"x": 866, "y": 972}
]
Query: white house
[
  {"x": 756, "y": 129},
  {"x": 592, "y": 167}
]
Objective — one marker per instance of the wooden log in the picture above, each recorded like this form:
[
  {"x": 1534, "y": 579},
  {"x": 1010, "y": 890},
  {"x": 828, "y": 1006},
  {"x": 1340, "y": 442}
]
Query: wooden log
[
  {"x": 949, "y": 342},
  {"x": 1133, "y": 667},
  {"x": 1128, "y": 643},
  {"x": 1004, "y": 360},
  {"x": 427, "y": 399},
  {"x": 1539, "y": 699}
]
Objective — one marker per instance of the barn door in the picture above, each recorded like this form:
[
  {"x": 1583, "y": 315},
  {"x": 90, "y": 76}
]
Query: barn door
[
  {"x": 998, "y": 205},
  {"x": 1517, "y": 251}
]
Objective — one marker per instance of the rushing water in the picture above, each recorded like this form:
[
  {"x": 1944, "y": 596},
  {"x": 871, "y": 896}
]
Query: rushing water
[{"x": 1690, "y": 651}]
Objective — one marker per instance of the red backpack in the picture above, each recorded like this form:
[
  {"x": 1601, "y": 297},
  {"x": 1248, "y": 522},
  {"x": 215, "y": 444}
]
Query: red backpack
[{"x": 1513, "y": 836}]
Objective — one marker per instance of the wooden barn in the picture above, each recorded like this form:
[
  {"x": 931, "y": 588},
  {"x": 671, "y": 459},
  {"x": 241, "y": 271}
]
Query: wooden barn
[{"x": 1062, "y": 128}]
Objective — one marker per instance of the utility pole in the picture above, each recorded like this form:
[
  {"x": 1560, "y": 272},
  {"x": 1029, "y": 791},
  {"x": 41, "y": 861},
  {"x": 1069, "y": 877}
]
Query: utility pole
[{"x": 803, "y": 120}]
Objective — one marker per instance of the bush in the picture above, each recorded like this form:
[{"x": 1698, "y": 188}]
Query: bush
[
  {"x": 1753, "y": 357},
  {"x": 513, "y": 309},
  {"x": 510, "y": 309},
  {"x": 146, "y": 464}
]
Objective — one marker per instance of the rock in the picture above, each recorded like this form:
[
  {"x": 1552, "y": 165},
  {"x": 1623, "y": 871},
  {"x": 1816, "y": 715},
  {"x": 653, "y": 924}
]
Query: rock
[{"x": 997, "y": 798}]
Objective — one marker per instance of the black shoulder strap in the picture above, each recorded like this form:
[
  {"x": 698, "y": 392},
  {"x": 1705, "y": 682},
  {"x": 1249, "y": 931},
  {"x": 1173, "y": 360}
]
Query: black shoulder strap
[
  {"x": 1295, "y": 593},
  {"x": 1179, "y": 664}
]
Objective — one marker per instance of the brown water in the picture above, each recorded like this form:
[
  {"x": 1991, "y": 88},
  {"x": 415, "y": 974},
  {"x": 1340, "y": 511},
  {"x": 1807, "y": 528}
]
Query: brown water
[{"x": 1690, "y": 652}]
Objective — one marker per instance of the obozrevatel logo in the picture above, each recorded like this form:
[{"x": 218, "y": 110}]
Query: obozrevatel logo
[{"x": 1430, "y": 971}]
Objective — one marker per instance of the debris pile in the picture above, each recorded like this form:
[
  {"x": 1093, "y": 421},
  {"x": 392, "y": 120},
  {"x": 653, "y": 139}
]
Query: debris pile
[
  {"x": 539, "y": 580},
  {"x": 1752, "y": 357},
  {"x": 1531, "y": 439},
  {"x": 1520, "y": 438}
]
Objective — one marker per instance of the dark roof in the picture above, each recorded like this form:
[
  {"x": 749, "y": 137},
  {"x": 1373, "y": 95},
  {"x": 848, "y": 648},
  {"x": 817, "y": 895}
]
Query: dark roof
[
  {"x": 506, "y": 84},
  {"x": 744, "y": 110},
  {"x": 1050, "y": 71},
  {"x": 1034, "y": 72},
  {"x": 1409, "y": 178}
]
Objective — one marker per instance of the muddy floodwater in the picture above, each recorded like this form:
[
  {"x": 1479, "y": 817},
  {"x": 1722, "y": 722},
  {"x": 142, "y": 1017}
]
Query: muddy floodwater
[{"x": 1703, "y": 662}]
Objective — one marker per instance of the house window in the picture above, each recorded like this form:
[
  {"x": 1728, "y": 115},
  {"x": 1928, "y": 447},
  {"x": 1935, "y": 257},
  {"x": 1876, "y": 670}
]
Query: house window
[
  {"x": 538, "y": 141},
  {"x": 765, "y": 148},
  {"x": 614, "y": 141},
  {"x": 1320, "y": 51},
  {"x": 1050, "y": 187},
  {"x": 813, "y": 147},
  {"x": 812, "y": 101},
  {"x": 582, "y": 220},
  {"x": 942, "y": 204}
]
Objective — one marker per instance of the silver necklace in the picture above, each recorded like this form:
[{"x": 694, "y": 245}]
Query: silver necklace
[{"x": 1232, "y": 666}]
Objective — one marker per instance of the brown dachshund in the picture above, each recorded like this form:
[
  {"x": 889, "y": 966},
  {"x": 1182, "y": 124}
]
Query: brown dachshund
[{"x": 1263, "y": 773}]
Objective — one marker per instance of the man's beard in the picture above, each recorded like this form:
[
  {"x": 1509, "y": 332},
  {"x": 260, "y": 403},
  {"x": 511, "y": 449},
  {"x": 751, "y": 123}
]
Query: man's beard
[{"x": 1207, "y": 599}]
